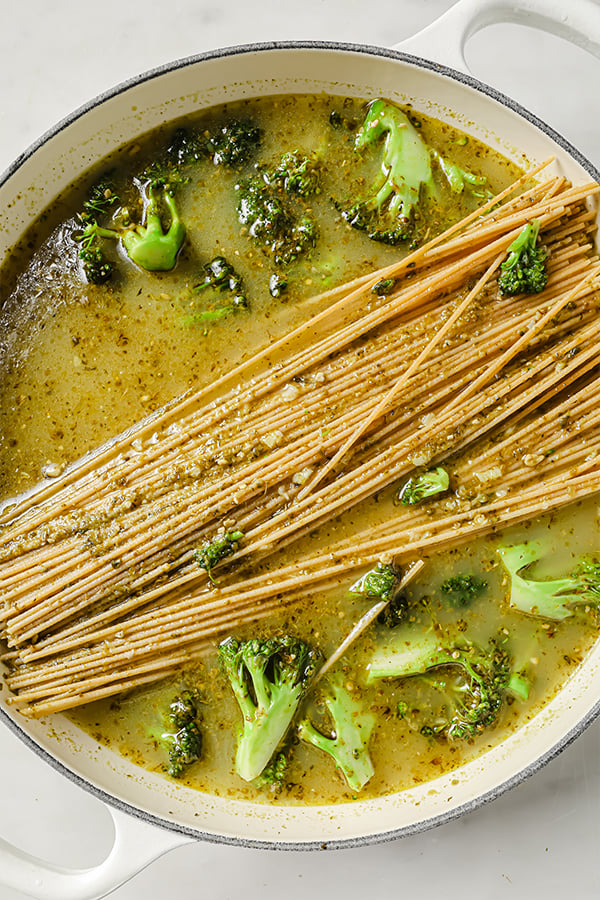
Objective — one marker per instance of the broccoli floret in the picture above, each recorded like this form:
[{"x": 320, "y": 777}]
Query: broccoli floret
[
  {"x": 273, "y": 776},
  {"x": 395, "y": 612},
  {"x": 524, "y": 269},
  {"x": 180, "y": 734},
  {"x": 296, "y": 173},
  {"x": 272, "y": 224},
  {"x": 470, "y": 679},
  {"x": 462, "y": 589},
  {"x": 222, "y": 546},
  {"x": 384, "y": 287},
  {"x": 186, "y": 147},
  {"x": 147, "y": 245},
  {"x": 382, "y": 583},
  {"x": 235, "y": 142},
  {"x": 420, "y": 487},
  {"x": 557, "y": 598},
  {"x": 350, "y": 732},
  {"x": 269, "y": 678},
  {"x": 524, "y": 661},
  {"x": 340, "y": 122},
  {"x": 221, "y": 277},
  {"x": 96, "y": 268},
  {"x": 278, "y": 285},
  {"x": 99, "y": 201},
  {"x": 387, "y": 215}
]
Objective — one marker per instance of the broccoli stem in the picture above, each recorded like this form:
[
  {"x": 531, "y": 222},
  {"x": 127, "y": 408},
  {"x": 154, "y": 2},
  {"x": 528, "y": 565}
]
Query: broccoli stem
[
  {"x": 148, "y": 246},
  {"x": 405, "y": 164},
  {"x": 348, "y": 745},
  {"x": 407, "y": 650},
  {"x": 257, "y": 744}
]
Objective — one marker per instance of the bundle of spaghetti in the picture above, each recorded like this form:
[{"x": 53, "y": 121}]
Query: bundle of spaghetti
[
  {"x": 61, "y": 575},
  {"x": 23, "y": 623},
  {"x": 145, "y": 647},
  {"x": 79, "y": 526}
]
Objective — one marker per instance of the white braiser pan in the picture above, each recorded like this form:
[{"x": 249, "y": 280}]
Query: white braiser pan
[{"x": 153, "y": 815}]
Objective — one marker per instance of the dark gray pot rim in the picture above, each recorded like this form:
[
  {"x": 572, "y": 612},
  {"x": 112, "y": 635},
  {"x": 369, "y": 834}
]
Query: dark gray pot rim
[{"x": 582, "y": 724}]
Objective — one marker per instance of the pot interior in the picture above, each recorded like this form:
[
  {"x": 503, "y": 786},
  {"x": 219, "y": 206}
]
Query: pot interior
[{"x": 71, "y": 149}]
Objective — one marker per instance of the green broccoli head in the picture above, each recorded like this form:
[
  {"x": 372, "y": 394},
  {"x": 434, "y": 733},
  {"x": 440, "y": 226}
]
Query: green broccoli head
[
  {"x": 381, "y": 582},
  {"x": 472, "y": 684},
  {"x": 296, "y": 173},
  {"x": 235, "y": 142},
  {"x": 421, "y": 487},
  {"x": 180, "y": 735},
  {"x": 96, "y": 268},
  {"x": 460, "y": 590},
  {"x": 346, "y": 737},
  {"x": 186, "y": 147},
  {"x": 273, "y": 776},
  {"x": 272, "y": 224},
  {"x": 219, "y": 548},
  {"x": 468, "y": 681},
  {"x": 100, "y": 200},
  {"x": 220, "y": 281},
  {"x": 524, "y": 269},
  {"x": 268, "y": 678},
  {"x": 555, "y": 598}
]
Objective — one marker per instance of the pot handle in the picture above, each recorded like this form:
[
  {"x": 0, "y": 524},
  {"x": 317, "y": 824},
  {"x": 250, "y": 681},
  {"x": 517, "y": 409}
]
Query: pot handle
[
  {"x": 578, "y": 21},
  {"x": 136, "y": 845}
]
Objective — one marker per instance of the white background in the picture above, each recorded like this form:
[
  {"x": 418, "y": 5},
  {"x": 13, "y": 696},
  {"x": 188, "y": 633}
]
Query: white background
[{"x": 539, "y": 840}]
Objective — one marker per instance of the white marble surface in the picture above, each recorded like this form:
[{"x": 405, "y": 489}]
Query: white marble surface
[{"x": 539, "y": 840}]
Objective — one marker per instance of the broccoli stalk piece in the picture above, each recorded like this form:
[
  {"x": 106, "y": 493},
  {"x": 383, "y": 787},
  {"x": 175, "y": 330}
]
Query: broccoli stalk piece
[
  {"x": 219, "y": 548},
  {"x": 348, "y": 741},
  {"x": 406, "y": 165},
  {"x": 406, "y": 168},
  {"x": 180, "y": 735},
  {"x": 405, "y": 651},
  {"x": 471, "y": 679},
  {"x": 425, "y": 485},
  {"x": 269, "y": 679},
  {"x": 557, "y": 598},
  {"x": 148, "y": 246},
  {"x": 524, "y": 269}
]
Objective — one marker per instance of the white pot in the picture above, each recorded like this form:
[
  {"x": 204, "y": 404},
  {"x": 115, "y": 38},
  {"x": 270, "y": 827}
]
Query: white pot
[{"x": 141, "y": 801}]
